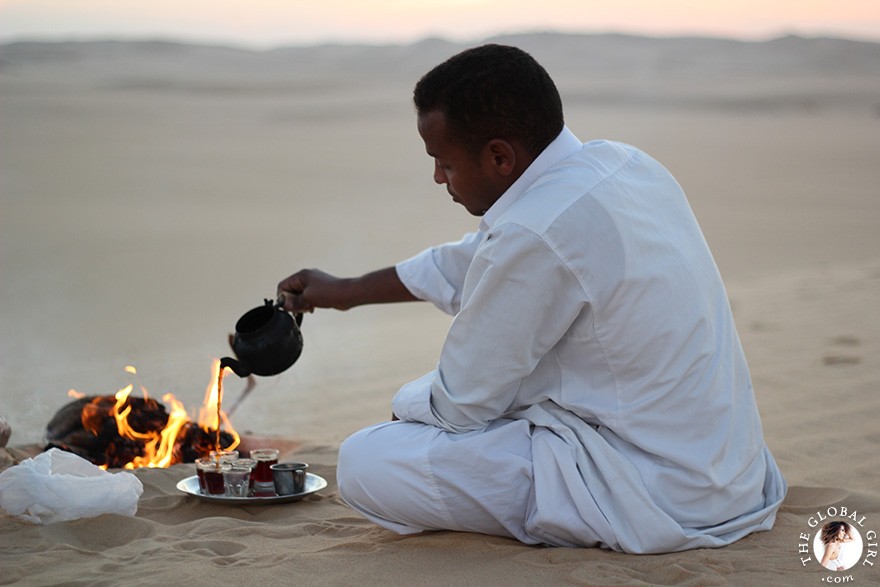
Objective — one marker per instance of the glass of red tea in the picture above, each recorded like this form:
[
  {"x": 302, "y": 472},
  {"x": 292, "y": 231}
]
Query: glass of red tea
[
  {"x": 210, "y": 474},
  {"x": 264, "y": 485}
]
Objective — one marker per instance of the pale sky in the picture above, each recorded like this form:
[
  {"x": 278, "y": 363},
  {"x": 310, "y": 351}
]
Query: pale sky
[{"x": 268, "y": 23}]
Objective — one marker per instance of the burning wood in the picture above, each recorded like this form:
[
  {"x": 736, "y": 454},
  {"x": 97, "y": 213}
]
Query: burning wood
[{"x": 122, "y": 431}]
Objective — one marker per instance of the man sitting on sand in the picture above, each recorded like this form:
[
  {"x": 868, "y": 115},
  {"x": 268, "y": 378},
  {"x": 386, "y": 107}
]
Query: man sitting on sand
[{"x": 592, "y": 390}]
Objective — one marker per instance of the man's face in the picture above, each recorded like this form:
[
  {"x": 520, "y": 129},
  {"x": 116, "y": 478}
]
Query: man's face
[{"x": 470, "y": 181}]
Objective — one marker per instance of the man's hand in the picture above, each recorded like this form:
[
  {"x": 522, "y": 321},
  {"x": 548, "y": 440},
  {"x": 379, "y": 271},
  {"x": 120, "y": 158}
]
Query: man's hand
[{"x": 308, "y": 289}]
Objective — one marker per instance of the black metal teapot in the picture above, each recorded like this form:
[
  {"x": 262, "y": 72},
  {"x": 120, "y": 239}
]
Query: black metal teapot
[{"x": 267, "y": 341}]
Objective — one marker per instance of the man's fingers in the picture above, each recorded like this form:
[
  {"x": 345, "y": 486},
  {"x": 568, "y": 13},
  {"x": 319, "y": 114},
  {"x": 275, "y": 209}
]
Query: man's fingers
[
  {"x": 286, "y": 298},
  {"x": 292, "y": 301},
  {"x": 289, "y": 290}
]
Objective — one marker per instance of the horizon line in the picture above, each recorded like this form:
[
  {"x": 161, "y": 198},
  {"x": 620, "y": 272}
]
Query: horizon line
[{"x": 228, "y": 42}]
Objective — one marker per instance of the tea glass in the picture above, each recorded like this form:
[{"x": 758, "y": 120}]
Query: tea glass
[
  {"x": 224, "y": 456},
  {"x": 250, "y": 464},
  {"x": 235, "y": 481},
  {"x": 263, "y": 483},
  {"x": 210, "y": 474}
]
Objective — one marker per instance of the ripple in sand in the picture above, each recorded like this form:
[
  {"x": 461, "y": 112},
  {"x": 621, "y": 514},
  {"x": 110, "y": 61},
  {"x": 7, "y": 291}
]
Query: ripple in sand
[{"x": 808, "y": 499}]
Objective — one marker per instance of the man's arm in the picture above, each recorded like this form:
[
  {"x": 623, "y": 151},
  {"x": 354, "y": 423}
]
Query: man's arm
[
  {"x": 520, "y": 300},
  {"x": 308, "y": 289},
  {"x": 435, "y": 275}
]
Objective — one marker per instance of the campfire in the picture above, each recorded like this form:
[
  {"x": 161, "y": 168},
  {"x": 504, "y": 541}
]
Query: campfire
[{"x": 124, "y": 431}]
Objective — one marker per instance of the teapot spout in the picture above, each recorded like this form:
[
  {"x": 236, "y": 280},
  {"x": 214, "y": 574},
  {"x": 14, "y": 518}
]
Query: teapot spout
[{"x": 237, "y": 367}]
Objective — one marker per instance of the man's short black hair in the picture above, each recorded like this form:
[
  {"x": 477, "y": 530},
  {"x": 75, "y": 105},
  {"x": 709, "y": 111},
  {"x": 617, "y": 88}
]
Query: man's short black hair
[{"x": 493, "y": 92}]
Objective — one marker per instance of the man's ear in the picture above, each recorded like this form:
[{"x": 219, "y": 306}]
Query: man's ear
[{"x": 501, "y": 156}]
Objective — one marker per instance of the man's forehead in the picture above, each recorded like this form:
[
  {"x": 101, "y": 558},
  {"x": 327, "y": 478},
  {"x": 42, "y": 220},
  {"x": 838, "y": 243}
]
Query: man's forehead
[
  {"x": 432, "y": 121},
  {"x": 432, "y": 128}
]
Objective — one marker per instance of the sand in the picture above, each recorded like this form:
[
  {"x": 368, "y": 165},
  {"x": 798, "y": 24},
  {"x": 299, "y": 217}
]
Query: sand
[{"x": 151, "y": 194}]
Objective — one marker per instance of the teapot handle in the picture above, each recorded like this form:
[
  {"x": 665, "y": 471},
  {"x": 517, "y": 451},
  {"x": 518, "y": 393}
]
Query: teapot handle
[{"x": 279, "y": 304}]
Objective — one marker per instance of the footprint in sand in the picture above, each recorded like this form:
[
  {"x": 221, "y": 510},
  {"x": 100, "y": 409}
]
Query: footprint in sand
[
  {"x": 843, "y": 340},
  {"x": 762, "y": 327},
  {"x": 841, "y": 360},
  {"x": 846, "y": 340}
]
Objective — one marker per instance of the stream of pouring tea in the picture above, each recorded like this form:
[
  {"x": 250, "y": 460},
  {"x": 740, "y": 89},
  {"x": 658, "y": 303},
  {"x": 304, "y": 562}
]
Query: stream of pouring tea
[{"x": 219, "y": 403}]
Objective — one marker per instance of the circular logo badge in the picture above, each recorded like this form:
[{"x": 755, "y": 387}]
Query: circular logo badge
[{"x": 837, "y": 546}]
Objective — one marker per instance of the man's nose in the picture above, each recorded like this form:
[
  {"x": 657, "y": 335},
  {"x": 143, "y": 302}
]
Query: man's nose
[{"x": 439, "y": 175}]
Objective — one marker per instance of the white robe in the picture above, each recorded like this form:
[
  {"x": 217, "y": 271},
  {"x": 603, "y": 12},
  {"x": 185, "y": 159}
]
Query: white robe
[{"x": 588, "y": 305}]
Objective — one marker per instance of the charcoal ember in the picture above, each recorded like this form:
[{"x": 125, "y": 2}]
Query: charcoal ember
[
  {"x": 194, "y": 442},
  {"x": 67, "y": 420},
  {"x": 87, "y": 427},
  {"x": 119, "y": 452}
]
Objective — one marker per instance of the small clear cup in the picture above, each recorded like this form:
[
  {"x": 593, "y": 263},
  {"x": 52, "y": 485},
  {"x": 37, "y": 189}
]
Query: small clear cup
[
  {"x": 224, "y": 456},
  {"x": 248, "y": 463},
  {"x": 235, "y": 481}
]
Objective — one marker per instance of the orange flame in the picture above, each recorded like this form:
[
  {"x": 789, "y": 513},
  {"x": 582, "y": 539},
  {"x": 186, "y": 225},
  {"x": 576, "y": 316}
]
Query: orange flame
[
  {"x": 211, "y": 416},
  {"x": 159, "y": 446}
]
